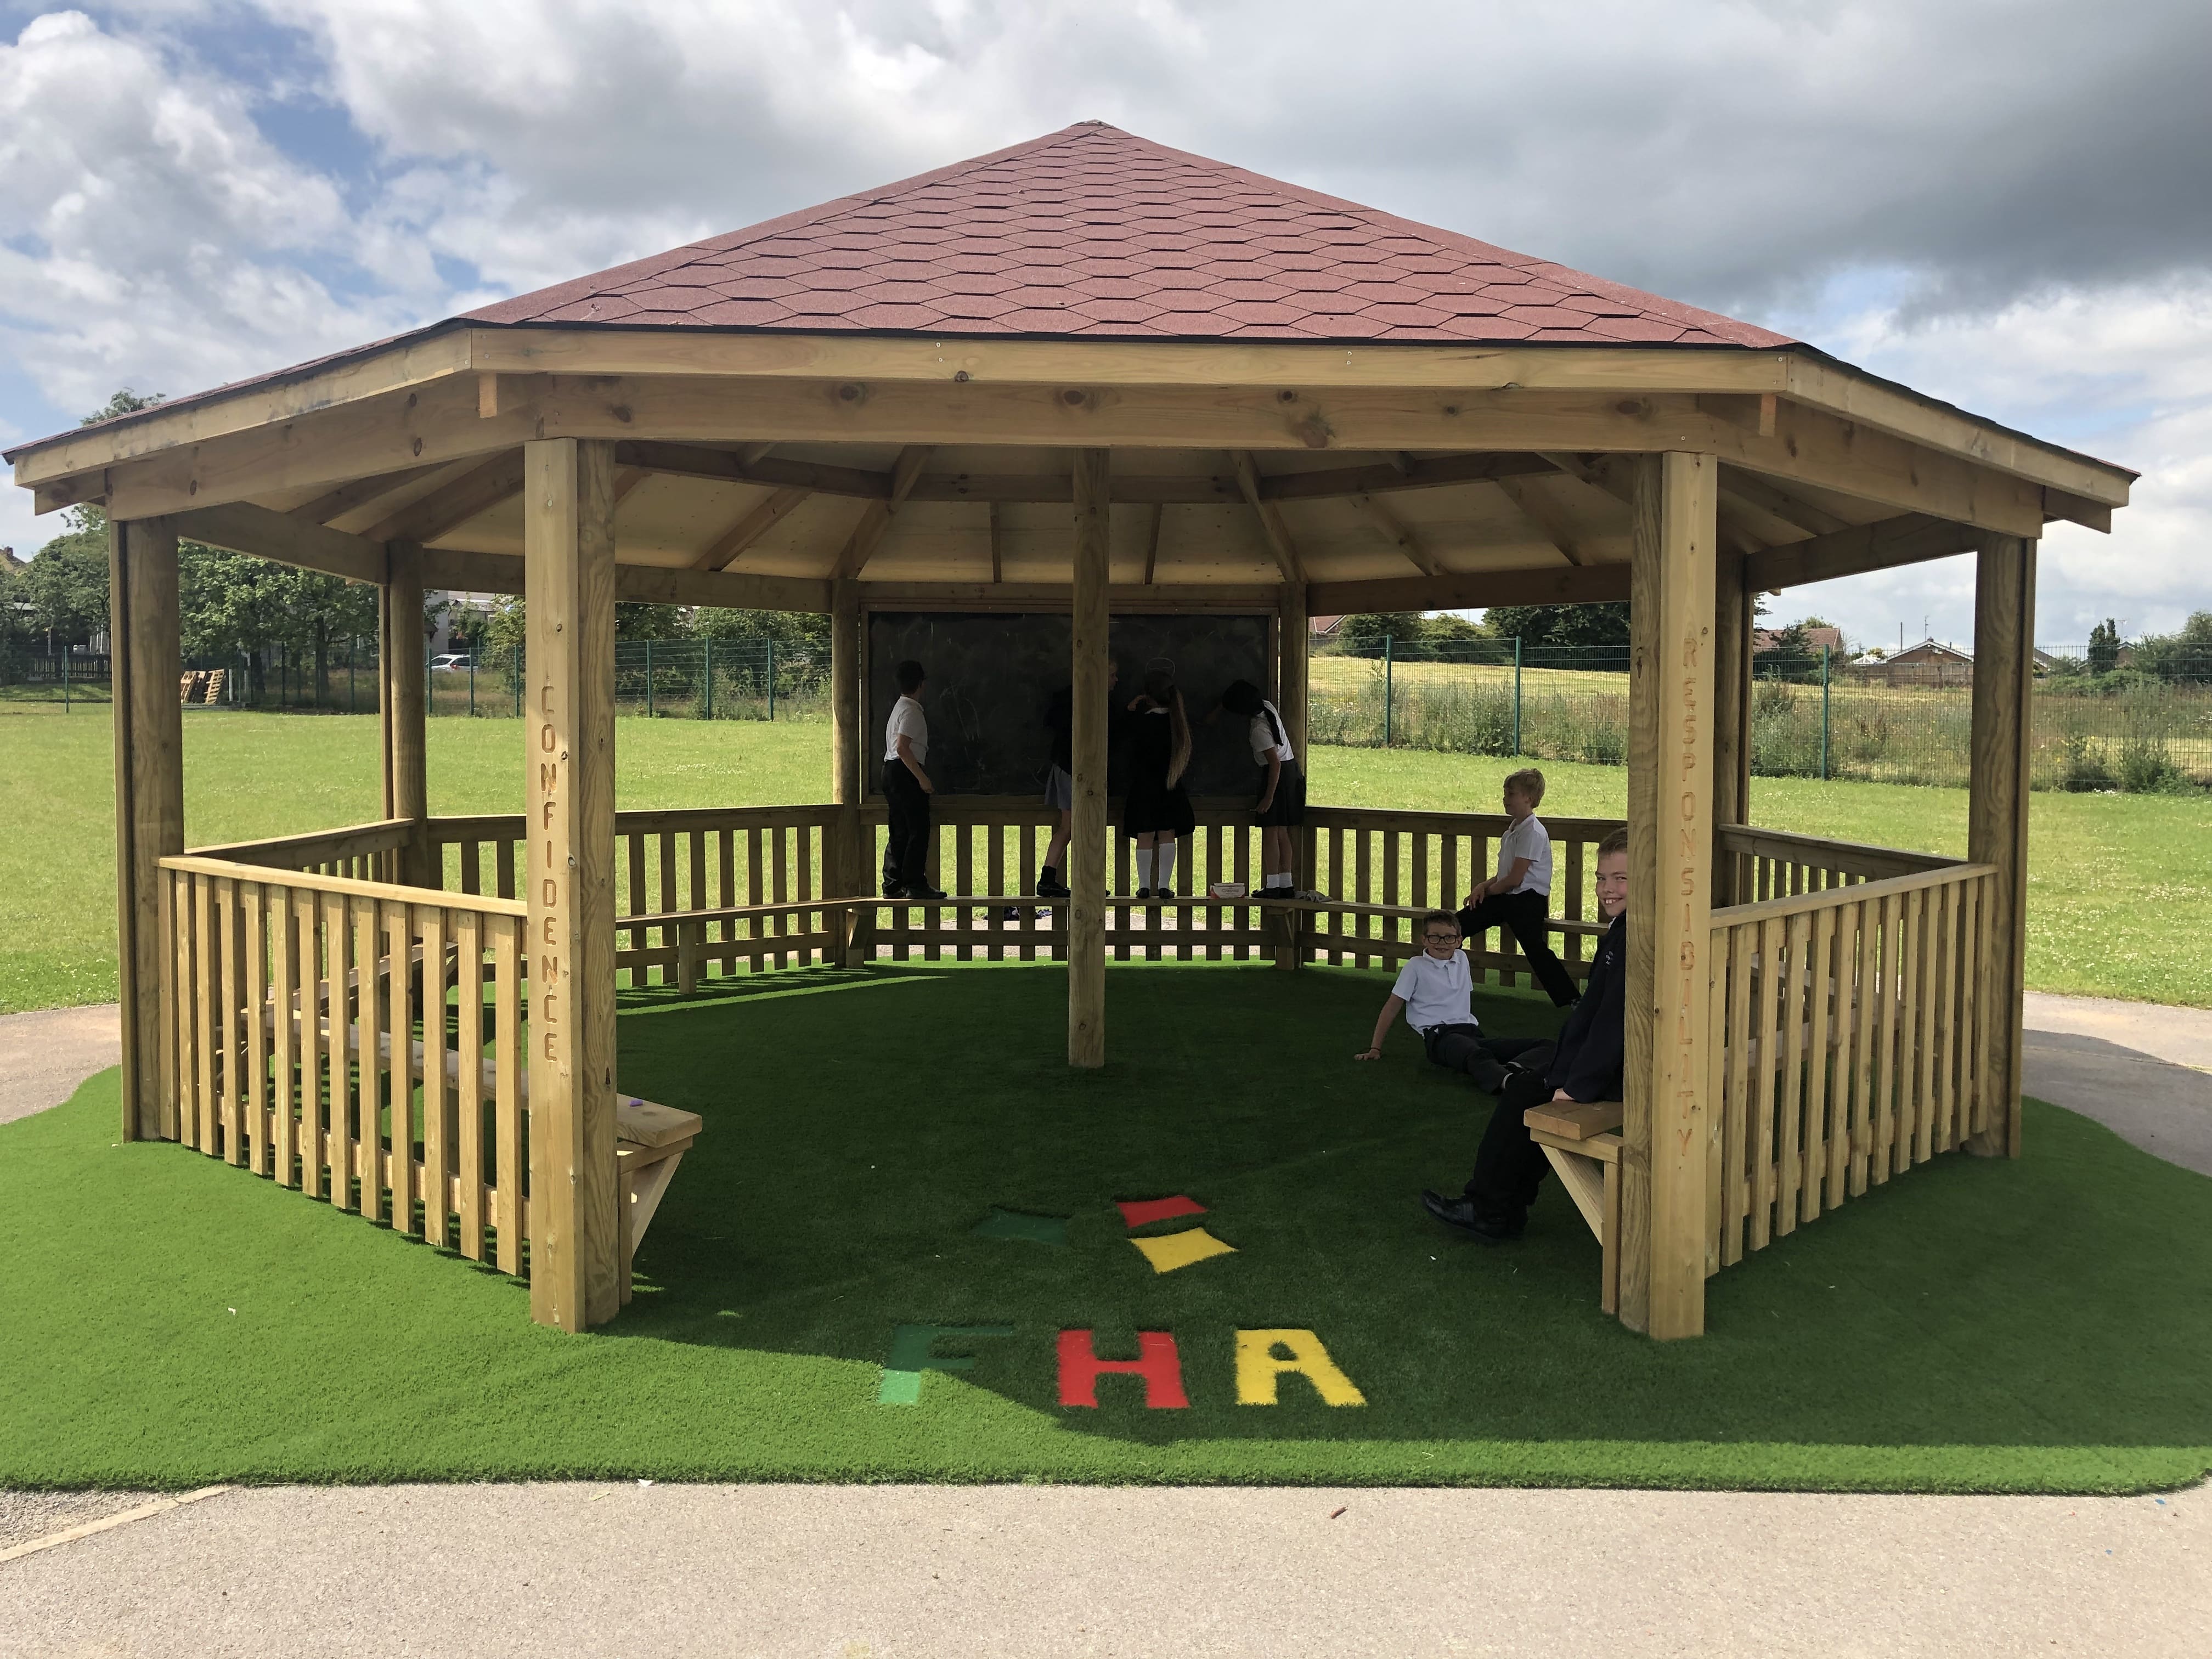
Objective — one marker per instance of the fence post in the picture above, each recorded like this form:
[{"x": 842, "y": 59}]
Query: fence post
[
  {"x": 1824, "y": 714},
  {"x": 648, "y": 679},
  {"x": 1516, "y": 694},
  {"x": 709, "y": 643},
  {"x": 472, "y": 685},
  {"x": 65, "y": 684},
  {"x": 771, "y": 677},
  {"x": 1388, "y": 698},
  {"x": 429, "y": 694},
  {"x": 352, "y": 646}
]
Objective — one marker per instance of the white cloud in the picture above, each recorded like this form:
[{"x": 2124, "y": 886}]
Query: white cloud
[{"x": 2025, "y": 203}]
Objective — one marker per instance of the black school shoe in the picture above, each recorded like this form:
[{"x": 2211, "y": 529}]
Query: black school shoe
[
  {"x": 1052, "y": 887},
  {"x": 921, "y": 889},
  {"x": 1459, "y": 1212}
]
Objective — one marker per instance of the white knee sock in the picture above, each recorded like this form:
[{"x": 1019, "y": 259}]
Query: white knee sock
[
  {"x": 1278, "y": 879},
  {"x": 1167, "y": 858},
  {"x": 1143, "y": 866}
]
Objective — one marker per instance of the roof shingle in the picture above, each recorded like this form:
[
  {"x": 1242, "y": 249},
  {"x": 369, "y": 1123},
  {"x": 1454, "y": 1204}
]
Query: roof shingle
[{"x": 1094, "y": 231}]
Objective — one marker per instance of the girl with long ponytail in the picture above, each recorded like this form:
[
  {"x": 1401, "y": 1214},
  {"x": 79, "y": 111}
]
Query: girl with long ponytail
[{"x": 1281, "y": 807}]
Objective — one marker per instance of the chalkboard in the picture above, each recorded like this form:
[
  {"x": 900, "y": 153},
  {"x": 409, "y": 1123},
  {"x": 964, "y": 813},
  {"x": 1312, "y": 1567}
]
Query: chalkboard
[{"x": 991, "y": 674}]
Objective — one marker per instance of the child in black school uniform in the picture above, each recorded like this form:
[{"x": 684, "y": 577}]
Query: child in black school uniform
[
  {"x": 1281, "y": 808},
  {"x": 1155, "y": 809}
]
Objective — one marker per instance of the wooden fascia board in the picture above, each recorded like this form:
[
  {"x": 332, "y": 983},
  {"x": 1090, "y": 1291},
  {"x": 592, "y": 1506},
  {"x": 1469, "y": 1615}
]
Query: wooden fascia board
[
  {"x": 1466, "y": 589},
  {"x": 1909, "y": 539},
  {"x": 1851, "y": 396},
  {"x": 1242, "y": 598},
  {"x": 244, "y": 528},
  {"x": 440, "y": 422}
]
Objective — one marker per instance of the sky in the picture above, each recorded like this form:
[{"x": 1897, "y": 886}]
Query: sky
[{"x": 2001, "y": 203}]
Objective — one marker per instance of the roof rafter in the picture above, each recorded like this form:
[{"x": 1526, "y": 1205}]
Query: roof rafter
[{"x": 1279, "y": 540}]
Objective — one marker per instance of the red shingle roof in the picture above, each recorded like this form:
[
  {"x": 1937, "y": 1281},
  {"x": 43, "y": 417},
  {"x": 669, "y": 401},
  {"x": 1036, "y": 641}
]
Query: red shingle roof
[{"x": 1095, "y": 233}]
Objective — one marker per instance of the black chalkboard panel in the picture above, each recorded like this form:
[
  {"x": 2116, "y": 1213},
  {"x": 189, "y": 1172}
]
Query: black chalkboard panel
[{"x": 991, "y": 674}]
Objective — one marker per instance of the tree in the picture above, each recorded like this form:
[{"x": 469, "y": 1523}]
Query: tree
[
  {"x": 1577, "y": 635},
  {"x": 1366, "y": 630},
  {"x": 2185, "y": 656},
  {"x": 231, "y": 606},
  {"x": 802, "y": 633},
  {"x": 67, "y": 584},
  {"x": 2104, "y": 647}
]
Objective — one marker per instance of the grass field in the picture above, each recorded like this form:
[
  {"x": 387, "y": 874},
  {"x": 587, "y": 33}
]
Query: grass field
[
  {"x": 2120, "y": 886},
  {"x": 1974, "y": 1325}
]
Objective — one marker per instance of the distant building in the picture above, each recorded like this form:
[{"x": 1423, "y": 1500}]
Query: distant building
[
  {"x": 1929, "y": 663},
  {"x": 1324, "y": 627}
]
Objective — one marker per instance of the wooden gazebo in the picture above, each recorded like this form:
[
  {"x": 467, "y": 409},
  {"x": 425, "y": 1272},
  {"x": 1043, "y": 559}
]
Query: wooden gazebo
[{"x": 1092, "y": 375}]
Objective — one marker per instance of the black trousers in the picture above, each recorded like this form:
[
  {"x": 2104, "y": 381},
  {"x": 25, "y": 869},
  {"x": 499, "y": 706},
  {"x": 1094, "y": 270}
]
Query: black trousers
[
  {"x": 1509, "y": 1166},
  {"x": 906, "y": 849},
  {"x": 1525, "y": 915},
  {"x": 1464, "y": 1048}
]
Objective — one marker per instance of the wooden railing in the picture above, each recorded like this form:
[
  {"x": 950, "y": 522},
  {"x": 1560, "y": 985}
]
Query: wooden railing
[
  {"x": 336, "y": 1036},
  {"x": 755, "y": 878},
  {"x": 362, "y": 851},
  {"x": 1770, "y": 863},
  {"x": 1850, "y": 1033}
]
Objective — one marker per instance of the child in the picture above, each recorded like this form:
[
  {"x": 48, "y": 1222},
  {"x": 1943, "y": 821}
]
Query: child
[
  {"x": 906, "y": 790},
  {"x": 1518, "y": 897},
  {"x": 1060, "y": 782},
  {"x": 1282, "y": 804},
  {"x": 1155, "y": 811},
  {"x": 1433, "y": 989},
  {"x": 1583, "y": 1066}
]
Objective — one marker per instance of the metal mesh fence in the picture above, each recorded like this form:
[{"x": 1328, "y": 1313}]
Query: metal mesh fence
[{"x": 1811, "y": 717}]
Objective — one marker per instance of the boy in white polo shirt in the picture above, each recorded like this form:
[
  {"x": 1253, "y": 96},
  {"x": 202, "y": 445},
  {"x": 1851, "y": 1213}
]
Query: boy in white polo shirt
[
  {"x": 1433, "y": 988},
  {"x": 906, "y": 790},
  {"x": 1519, "y": 896}
]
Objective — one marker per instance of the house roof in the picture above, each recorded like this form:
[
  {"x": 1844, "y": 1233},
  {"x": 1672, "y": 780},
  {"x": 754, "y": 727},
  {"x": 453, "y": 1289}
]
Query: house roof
[{"x": 1094, "y": 232}]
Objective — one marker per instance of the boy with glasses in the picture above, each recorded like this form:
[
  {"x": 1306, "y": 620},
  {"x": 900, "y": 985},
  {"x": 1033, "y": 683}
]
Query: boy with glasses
[{"x": 1433, "y": 990}]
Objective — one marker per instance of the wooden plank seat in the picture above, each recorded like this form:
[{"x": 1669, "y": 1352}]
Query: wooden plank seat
[
  {"x": 1583, "y": 1145},
  {"x": 650, "y": 1139}
]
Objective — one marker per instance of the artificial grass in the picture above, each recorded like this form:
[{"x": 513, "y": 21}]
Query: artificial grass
[
  {"x": 2038, "y": 1325},
  {"x": 2120, "y": 886}
]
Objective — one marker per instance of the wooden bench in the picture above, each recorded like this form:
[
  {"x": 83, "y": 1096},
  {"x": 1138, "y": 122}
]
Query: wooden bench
[
  {"x": 1583, "y": 1144},
  {"x": 650, "y": 1139}
]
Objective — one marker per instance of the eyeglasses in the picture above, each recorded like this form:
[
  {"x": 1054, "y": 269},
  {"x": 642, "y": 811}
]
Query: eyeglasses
[{"x": 1444, "y": 938}]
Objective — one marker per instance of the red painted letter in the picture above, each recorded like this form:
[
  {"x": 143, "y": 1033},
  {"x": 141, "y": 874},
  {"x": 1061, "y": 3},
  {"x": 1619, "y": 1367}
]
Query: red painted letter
[{"x": 1157, "y": 1361}]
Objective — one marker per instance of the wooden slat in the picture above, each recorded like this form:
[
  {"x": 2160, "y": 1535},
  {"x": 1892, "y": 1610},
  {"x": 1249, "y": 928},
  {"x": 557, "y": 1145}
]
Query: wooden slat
[
  {"x": 1891, "y": 1004},
  {"x": 255, "y": 930},
  {"x": 396, "y": 925},
  {"x": 1845, "y": 1090},
  {"x": 284, "y": 991},
  {"x": 468, "y": 1043},
  {"x": 504, "y": 938},
  {"x": 229, "y": 965},
  {"x": 1735, "y": 1131},
  {"x": 1926, "y": 1035},
  {"x": 1796, "y": 990},
  {"x": 438, "y": 1124},
  {"x": 366, "y": 1024},
  {"x": 1820, "y": 986},
  {"x": 1764, "y": 1029},
  {"x": 206, "y": 957}
]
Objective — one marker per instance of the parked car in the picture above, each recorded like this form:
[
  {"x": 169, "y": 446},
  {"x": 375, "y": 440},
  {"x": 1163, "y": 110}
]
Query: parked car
[{"x": 458, "y": 660}]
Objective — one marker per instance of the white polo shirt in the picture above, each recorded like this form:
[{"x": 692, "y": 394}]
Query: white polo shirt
[
  {"x": 1263, "y": 736},
  {"x": 907, "y": 721},
  {"x": 1529, "y": 840},
  {"x": 1436, "y": 993}
]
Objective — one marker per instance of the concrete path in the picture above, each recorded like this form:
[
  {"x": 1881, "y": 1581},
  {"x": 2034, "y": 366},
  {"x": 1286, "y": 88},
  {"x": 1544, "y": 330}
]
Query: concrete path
[{"x": 879, "y": 1572}]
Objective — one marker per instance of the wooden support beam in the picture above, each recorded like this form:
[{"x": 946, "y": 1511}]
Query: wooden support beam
[
  {"x": 1229, "y": 600},
  {"x": 146, "y": 662},
  {"x": 1460, "y": 590},
  {"x": 757, "y": 520},
  {"x": 1734, "y": 604},
  {"x": 244, "y": 528},
  {"x": 1271, "y": 518},
  {"x": 1540, "y": 511},
  {"x": 2077, "y": 509},
  {"x": 568, "y": 757},
  {"x": 1086, "y": 850},
  {"x": 1152, "y": 521},
  {"x": 465, "y": 570},
  {"x": 1664, "y": 1152},
  {"x": 1755, "y": 411},
  {"x": 1755, "y": 528},
  {"x": 1909, "y": 539},
  {"x": 1754, "y": 491},
  {"x": 401, "y": 713},
  {"x": 876, "y": 518},
  {"x": 445, "y": 510},
  {"x": 1398, "y": 471},
  {"x": 1398, "y": 534},
  {"x": 752, "y": 463},
  {"x": 1996, "y": 821},
  {"x": 362, "y": 492},
  {"x": 998, "y": 545},
  {"x": 847, "y": 748},
  {"x": 1293, "y": 700}
]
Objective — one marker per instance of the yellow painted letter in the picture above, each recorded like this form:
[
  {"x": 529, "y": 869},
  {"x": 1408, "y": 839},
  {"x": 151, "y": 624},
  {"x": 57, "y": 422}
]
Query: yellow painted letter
[{"x": 1258, "y": 1366}]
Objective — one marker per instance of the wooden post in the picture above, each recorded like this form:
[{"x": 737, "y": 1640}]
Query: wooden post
[
  {"x": 1996, "y": 816},
  {"x": 569, "y": 576},
  {"x": 147, "y": 664},
  {"x": 400, "y": 709},
  {"x": 1670, "y": 803},
  {"x": 1292, "y": 647},
  {"x": 849, "y": 872},
  {"x": 1734, "y": 602},
  {"x": 1087, "y": 849}
]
